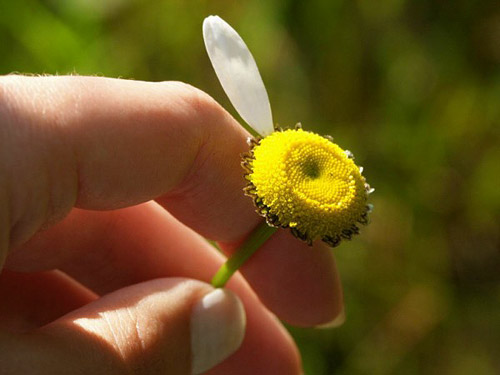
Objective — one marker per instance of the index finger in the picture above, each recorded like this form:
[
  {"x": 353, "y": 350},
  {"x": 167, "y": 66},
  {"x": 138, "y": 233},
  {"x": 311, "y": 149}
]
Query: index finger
[{"x": 99, "y": 143}]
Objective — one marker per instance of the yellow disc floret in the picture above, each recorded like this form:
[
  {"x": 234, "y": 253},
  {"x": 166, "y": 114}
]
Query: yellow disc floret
[{"x": 306, "y": 182}]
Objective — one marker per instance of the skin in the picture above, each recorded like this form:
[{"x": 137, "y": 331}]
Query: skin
[{"x": 107, "y": 188}]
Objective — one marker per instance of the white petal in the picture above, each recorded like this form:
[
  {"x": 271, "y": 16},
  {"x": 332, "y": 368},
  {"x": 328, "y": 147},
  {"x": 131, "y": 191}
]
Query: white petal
[{"x": 238, "y": 74}]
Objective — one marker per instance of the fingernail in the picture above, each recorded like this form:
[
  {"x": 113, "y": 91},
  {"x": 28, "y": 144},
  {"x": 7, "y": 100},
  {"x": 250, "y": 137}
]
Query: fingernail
[
  {"x": 217, "y": 329},
  {"x": 336, "y": 322}
]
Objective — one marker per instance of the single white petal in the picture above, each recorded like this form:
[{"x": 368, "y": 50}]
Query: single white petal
[{"x": 238, "y": 74}]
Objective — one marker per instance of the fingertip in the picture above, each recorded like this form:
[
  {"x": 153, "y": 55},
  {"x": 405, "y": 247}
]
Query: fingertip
[
  {"x": 172, "y": 326},
  {"x": 217, "y": 329},
  {"x": 335, "y": 322},
  {"x": 299, "y": 283},
  {"x": 267, "y": 348}
]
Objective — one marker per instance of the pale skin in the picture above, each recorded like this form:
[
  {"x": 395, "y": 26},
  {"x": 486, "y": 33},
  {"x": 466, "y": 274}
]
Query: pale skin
[{"x": 96, "y": 177}]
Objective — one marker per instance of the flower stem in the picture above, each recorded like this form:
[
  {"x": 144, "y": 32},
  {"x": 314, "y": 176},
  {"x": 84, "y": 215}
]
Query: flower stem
[{"x": 260, "y": 235}]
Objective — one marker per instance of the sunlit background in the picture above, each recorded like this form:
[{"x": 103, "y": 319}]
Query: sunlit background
[{"x": 412, "y": 88}]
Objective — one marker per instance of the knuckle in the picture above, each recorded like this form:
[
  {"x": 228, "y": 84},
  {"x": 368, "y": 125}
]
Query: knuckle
[{"x": 32, "y": 155}]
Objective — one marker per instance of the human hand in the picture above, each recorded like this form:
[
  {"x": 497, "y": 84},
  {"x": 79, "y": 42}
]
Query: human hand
[{"x": 100, "y": 279}]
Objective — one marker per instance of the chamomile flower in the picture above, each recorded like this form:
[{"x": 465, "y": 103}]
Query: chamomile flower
[{"x": 297, "y": 179}]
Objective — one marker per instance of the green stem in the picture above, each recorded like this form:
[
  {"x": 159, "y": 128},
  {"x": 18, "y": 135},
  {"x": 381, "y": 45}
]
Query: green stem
[{"x": 260, "y": 235}]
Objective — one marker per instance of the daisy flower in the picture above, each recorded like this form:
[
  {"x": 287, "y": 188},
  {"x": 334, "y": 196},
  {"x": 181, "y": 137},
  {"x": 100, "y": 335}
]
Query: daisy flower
[{"x": 296, "y": 178}]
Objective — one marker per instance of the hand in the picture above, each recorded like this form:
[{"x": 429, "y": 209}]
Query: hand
[{"x": 98, "y": 278}]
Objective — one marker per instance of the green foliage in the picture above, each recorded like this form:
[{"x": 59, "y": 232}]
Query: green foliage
[{"x": 411, "y": 87}]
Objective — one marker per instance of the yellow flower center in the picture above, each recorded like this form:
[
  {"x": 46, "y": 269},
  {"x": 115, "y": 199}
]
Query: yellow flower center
[{"x": 309, "y": 184}]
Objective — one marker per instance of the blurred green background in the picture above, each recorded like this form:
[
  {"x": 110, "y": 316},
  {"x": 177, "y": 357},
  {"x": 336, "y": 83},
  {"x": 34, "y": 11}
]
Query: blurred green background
[{"x": 411, "y": 87}]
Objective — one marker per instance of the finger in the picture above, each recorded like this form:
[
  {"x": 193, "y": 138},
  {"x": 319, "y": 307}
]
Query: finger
[
  {"x": 31, "y": 300},
  {"x": 300, "y": 284},
  {"x": 166, "y": 326},
  {"x": 105, "y": 144},
  {"x": 109, "y": 250},
  {"x": 159, "y": 247},
  {"x": 115, "y": 143},
  {"x": 267, "y": 349}
]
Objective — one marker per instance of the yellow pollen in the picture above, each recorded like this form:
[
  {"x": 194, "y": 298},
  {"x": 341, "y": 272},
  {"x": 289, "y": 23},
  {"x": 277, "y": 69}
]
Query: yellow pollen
[{"x": 309, "y": 183}]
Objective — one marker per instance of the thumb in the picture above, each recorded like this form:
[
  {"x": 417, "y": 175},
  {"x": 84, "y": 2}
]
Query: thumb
[{"x": 164, "y": 326}]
